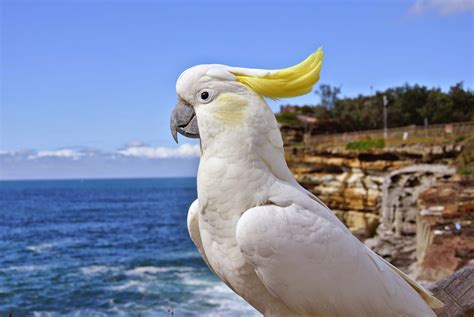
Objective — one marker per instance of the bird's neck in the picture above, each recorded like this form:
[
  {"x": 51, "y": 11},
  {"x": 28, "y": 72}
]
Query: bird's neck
[
  {"x": 232, "y": 156},
  {"x": 229, "y": 145}
]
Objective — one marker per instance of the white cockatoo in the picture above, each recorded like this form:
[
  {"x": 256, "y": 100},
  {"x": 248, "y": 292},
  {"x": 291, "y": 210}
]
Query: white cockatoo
[{"x": 270, "y": 240}]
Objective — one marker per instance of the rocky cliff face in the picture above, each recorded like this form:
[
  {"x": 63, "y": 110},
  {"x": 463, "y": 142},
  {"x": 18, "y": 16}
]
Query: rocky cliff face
[
  {"x": 350, "y": 182},
  {"x": 396, "y": 237},
  {"x": 383, "y": 196},
  {"x": 445, "y": 223}
]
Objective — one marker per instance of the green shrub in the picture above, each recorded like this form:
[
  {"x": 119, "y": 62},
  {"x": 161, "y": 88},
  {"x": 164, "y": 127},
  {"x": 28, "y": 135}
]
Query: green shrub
[
  {"x": 465, "y": 160},
  {"x": 366, "y": 144},
  {"x": 287, "y": 118},
  {"x": 465, "y": 170}
]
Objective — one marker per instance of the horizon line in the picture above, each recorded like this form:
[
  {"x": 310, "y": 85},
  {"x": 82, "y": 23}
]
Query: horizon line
[{"x": 90, "y": 178}]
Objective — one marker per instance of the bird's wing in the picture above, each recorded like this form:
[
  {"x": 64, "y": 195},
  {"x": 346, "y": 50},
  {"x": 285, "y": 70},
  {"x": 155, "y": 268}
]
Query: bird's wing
[
  {"x": 193, "y": 229},
  {"x": 316, "y": 267}
]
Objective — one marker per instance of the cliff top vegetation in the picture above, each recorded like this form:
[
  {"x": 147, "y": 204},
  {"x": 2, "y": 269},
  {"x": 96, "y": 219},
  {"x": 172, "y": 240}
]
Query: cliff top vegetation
[{"x": 407, "y": 105}]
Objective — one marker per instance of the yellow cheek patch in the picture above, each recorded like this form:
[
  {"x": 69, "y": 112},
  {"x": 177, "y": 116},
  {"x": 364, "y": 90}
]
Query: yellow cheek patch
[{"x": 230, "y": 109}]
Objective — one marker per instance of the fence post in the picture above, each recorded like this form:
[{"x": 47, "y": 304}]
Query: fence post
[{"x": 385, "y": 105}]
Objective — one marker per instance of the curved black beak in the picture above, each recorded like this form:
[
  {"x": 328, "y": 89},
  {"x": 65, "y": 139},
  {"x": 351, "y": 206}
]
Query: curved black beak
[{"x": 184, "y": 121}]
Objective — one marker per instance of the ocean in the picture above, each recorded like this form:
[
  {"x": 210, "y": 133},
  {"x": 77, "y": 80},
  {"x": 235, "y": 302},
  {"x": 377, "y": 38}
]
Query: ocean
[{"x": 105, "y": 248}]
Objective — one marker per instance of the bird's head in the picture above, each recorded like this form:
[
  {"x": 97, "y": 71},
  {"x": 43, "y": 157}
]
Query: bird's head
[{"x": 215, "y": 98}]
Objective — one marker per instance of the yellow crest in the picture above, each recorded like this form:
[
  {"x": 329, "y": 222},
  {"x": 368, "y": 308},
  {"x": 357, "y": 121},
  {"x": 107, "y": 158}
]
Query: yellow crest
[{"x": 283, "y": 83}]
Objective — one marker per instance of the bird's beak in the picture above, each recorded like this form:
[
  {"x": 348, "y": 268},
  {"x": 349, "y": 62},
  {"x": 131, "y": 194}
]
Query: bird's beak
[{"x": 184, "y": 121}]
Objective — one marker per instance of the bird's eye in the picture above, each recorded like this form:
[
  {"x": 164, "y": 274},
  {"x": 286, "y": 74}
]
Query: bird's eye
[{"x": 205, "y": 96}]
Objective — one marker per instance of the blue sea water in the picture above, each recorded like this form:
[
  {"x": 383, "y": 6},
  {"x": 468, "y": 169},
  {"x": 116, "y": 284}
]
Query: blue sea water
[{"x": 104, "y": 248}]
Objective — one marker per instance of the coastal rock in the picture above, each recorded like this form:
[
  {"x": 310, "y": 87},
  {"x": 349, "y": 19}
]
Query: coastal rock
[
  {"x": 446, "y": 226},
  {"x": 396, "y": 236},
  {"x": 405, "y": 202},
  {"x": 362, "y": 225}
]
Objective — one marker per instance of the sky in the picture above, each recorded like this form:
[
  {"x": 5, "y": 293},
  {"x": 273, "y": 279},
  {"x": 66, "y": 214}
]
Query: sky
[{"x": 87, "y": 87}]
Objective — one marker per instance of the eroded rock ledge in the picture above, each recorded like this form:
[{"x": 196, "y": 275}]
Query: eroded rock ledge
[{"x": 387, "y": 198}]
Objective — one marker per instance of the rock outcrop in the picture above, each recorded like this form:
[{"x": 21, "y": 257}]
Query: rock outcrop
[
  {"x": 445, "y": 228},
  {"x": 396, "y": 238},
  {"x": 457, "y": 293},
  {"x": 350, "y": 182},
  {"x": 392, "y": 199}
]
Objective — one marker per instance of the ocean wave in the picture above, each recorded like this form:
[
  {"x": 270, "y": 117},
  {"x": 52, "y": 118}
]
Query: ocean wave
[
  {"x": 151, "y": 270},
  {"x": 95, "y": 269},
  {"x": 189, "y": 278},
  {"x": 139, "y": 286},
  {"x": 217, "y": 289},
  {"x": 224, "y": 301},
  {"x": 44, "y": 314},
  {"x": 40, "y": 247},
  {"x": 24, "y": 268},
  {"x": 78, "y": 313},
  {"x": 143, "y": 270},
  {"x": 123, "y": 310}
]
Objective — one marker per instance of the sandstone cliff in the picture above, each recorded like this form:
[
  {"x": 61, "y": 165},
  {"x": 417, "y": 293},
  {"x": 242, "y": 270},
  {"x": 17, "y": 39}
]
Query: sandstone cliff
[{"x": 407, "y": 201}]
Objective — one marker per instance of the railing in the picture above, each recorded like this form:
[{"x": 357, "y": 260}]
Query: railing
[{"x": 450, "y": 130}]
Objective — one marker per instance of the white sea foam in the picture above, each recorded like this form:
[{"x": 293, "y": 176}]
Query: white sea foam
[
  {"x": 95, "y": 269},
  {"x": 188, "y": 278},
  {"x": 40, "y": 247},
  {"x": 224, "y": 300},
  {"x": 209, "y": 297},
  {"x": 44, "y": 314},
  {"x": 141, "y": 270},
  {"x": 150, "y": 270},
  {"x": 134, "y": 309},
  {"x": 136, "y": 285},
  {"x": 78, "y": 313},
  {"x": 24, "y": 268}
]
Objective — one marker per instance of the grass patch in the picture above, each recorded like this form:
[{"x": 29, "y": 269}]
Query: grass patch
[
  {"x": 287, "y": 118},
  {"x": 423, "y": 140},
  {"x": 465, "y": 160},
  {"x": 364, "y": 145}
]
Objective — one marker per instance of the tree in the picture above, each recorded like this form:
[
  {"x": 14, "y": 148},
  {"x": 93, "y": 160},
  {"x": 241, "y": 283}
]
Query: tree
[
  {"x": 328, "y": 95},
  {"x": 408, "y": 105},
  {"x": 463, "y": 101}
]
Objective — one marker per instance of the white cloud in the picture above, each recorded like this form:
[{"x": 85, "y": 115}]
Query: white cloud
[
  {"x": 63, "y": 153},
  {"x": 444, "y": 7},
  {"x": 132, "y": 150},
  {"x": 183, "y": 151},
  {"x": 133, "y": 160},
  {"x": 136, "y": 143}
]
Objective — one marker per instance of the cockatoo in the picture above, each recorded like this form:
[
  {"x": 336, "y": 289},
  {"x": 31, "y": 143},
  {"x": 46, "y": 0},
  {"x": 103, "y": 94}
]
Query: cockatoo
[{"x": 270, "y": 240}]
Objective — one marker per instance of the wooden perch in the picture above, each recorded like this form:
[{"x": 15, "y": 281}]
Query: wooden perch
[{"x": 457, "y": 293}]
